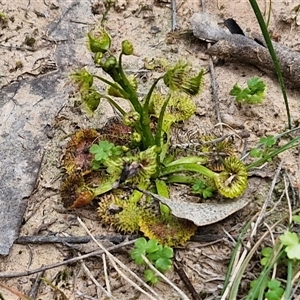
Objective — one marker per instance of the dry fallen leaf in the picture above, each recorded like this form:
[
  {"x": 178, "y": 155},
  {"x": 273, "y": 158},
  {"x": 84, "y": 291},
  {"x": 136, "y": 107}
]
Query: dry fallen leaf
[{"x": 202, "y": 214}]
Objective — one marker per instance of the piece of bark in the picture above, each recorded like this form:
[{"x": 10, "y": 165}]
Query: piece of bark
[{"x": 236, "y": 47}]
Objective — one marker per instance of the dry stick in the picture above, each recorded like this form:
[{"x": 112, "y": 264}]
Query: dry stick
[
  {"x": 288, "y": 199},
  {"x": 214, "y": 84},
  {"x": 65, "y": 262},
  {"x": 105, "y": 273},
  {"x": 43, "y": 239},
  {"x": 292, "y": 188},
  {"x": 35, "y": 287},
  {"x": 270, "y": 212},
  {"x": 114, "y": 260},
  {"x": 89, "y": 274},
  {"x": 264, "y": 207},
  {"x": 236, "y": 47},
  {"x": 180, "y": 271},
  {"x": 15, "y": 292},
  {"x": 174, "y": 23},
  {"x": 273, "y": 243},
  {"x": 178, "y": 290}
]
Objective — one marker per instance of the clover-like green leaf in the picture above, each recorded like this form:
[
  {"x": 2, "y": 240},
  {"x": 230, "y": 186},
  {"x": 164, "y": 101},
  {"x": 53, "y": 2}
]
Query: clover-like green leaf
[
  {"x": 296, "y": 218},
  {"x": 267, "y": 254},
  {"x": 253, "y": 94},
  {"x": 152, "y": 246},
  {"x": 291, "y": 241},
  {"x": 255, "y": 152},
  {"x": 163, "y": 264},
  {"x": 150, "y": 276},
  {"x": 138, "y": 251},
  {"x": 268, "y": 141},
  {"x": 275, "y": 290}
]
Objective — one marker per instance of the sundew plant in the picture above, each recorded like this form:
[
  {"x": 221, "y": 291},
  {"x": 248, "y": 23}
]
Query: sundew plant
[{"x": 132, "y": 153}]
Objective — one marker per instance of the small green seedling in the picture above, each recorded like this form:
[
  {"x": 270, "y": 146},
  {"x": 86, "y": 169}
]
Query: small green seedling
[
  {"x": 265, "y": 146},
  {"x": 253, "y": 94},
  {"x": 103, "y": 151},
  {"x": 275, "y": 290},
  {"x": 160, "y": 256},
  {"x": 267, "y": 254},
  {"x": 273, "y": 286},
  {"x": 200, "y": 187}
]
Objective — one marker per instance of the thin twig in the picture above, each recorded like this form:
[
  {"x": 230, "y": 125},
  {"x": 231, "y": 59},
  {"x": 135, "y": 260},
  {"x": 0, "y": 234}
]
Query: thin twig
[
  {"x": 273, "y": 243},
  {"x": 214, "y": 87},
  {"x": 80, "y": 294},
  {"x": 105, "y": 273},
  {"x": 90, "y": 275},
  {"x": 288, "y": 199},
  {"x": 174, "y": 9},
  {"x": 268, "y": 198},
  {"x": 44, "y": 239},
  {"x": 180, "y": 271},
  {"x": 62, "y": 263},
  {"x": 114, "y": 260},
  {"x": 36, "y": 285},
  {"x": 214, "y": 84},
  {"x": 179, "y": 291}
]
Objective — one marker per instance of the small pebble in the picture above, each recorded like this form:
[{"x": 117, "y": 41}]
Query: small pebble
[{"x": 154, "y": 29}]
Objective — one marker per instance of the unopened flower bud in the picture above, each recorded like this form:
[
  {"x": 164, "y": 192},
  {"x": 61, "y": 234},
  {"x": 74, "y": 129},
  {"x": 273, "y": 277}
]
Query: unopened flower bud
[
  {"x": 136, "y": 137},
  {"x": 127, "y": 47},
  {"x": 109, "y": 64},
  {"x": 99, "y": 42},
  {"x": 131, "y": 118},
  {"x": 91, "y": 99}
]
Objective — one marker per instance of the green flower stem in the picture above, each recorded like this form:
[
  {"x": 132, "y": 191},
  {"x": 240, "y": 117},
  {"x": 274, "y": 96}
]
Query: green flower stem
[
  {"x": 188, "y": 160},
  {"x": 147, "y": 137},
  {"x": 114, "y": 104},
  {"x": 181, "y": 179},
  {"x": 126, "y": 85},
  {"x": 266, "y": 35},
  {"x": 115, "y": 86},
  {"x": 145, "y": 120},
  {"x": 261, "y": 161},
  {"x": 159, "y": 131},
  {"x": 147, "y": 99},
  {"x": 188, "y": 167}
]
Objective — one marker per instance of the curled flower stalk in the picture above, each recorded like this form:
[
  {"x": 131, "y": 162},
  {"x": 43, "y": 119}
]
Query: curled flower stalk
[{"x": 230, "y": 183}]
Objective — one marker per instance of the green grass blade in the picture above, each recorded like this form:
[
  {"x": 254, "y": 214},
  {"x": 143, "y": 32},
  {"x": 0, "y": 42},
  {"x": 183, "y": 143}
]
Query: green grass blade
[{"x": 266, "y": 35}]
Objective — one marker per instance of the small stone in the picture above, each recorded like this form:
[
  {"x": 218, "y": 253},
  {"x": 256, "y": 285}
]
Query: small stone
[{"x": 154, "y": 29}]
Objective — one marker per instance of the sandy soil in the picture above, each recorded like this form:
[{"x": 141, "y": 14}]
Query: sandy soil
[{"x": 148, "y": 25}]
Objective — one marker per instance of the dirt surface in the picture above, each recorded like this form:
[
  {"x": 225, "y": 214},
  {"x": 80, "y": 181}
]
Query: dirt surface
[{"x": 40, "y": 44}]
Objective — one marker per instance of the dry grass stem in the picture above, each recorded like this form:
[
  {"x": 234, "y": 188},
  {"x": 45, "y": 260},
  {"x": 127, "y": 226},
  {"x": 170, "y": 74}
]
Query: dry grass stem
[
  {"x": 273, "y": 243},
  {"x": 286, "y": 185},
  {"x": 98, "y": 285},
  {"x": 116, "y": 261},
  {"x": 268, "y": 198},
  {"x": 62, "y": 263},
  {"x": 178, "y": 290},
  {"x": 80, "y": 294},
  {"x": 105, "y": 273}
]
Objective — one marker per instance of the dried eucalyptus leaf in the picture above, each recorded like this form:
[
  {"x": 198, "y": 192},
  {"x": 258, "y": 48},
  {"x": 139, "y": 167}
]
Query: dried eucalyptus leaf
[{"x": 202, "y": 214}]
